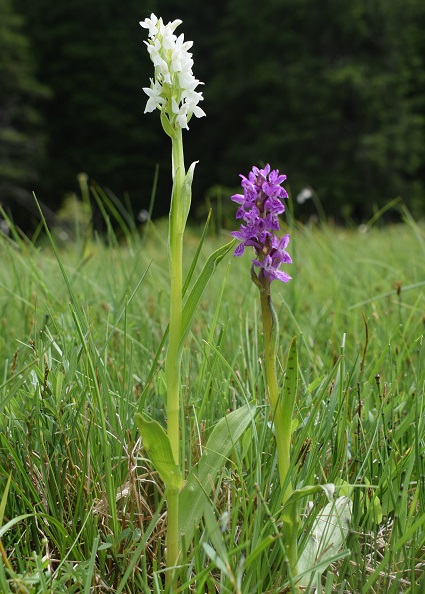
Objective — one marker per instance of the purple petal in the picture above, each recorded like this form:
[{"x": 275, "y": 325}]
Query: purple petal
[
  {"x": 274, "y": 205},
  {"x": 239, "y": 198},
  {"x": 282, "y": 276},
  {"x": 252, "y": 216},
  {"x": 281, "y": 244},
  {"x": 264, "y": 172},
  {"x": 238, "y": 235},
  {"x": 239, "y": 250},
  {"x": 275, "y": 178},
  {"x": 272, "y": 222}
]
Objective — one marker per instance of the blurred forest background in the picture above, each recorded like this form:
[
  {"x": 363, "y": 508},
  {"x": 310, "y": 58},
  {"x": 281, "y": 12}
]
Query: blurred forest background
[{"x": 331, "y": 92}]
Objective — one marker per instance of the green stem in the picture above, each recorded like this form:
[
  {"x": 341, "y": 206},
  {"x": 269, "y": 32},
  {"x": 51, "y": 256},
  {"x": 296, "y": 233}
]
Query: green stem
[
  {"x": 173, "y": 357},
  {"x": 172, "y": 539},
  {"x": 282, "y": 420},
  {"x": 283, "y": 436}
]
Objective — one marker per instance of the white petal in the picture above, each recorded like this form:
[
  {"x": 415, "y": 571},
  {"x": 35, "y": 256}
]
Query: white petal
[
  {"x": 174, "y": 24},
  {"x": 181, "y": 121},
  {"x": 149, "y": 22},
  {"x": 198, "y": 112},
  {"x": 153, "y": 24},
  {"x": 174, "y": 106}
]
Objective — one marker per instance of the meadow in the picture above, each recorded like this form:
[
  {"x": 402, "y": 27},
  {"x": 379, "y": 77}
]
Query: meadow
[{"x": 82, "y": 510}]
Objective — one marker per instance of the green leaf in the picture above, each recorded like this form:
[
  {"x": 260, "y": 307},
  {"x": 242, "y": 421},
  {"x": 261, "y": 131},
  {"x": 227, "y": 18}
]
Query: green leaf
[
  {"x": 315, "y": 384},
  {"x": 4, "y": 498},
  {"x": 197, "y": 254},
  {"x": 267, "y": 543},
  {"x": 195, "y": 495},
  {"x": 328, "y": 489},
  {"x": 158, "y": 448},
  {"x": 377, "y": 509},
  {"x": 198, "y": 288},
  {"x": 12, "y": 523},
  {"x": 326, "y": 538},
  {"x": 181, "y": 198},
  {"x": 216, "y": 559},
  {"x": 291, "y": 379},
  {"x": 372, "y": 501},
  {"x": 214, "y": 534},
  {"x": 91, "y": 567},
  {"x": 275, "y": 331},
  {"x": 166, "y": 126},
  {"x": 186, "y": 192}
]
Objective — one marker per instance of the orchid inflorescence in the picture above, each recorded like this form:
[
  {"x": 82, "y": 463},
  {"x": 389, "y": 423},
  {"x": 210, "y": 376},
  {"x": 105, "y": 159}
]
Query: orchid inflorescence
[
  {"x": 260, "y": 208},
  {"x": 173, "y": 88}
]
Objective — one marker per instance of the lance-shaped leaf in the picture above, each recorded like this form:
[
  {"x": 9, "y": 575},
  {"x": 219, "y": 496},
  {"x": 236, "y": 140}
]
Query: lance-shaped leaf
[
  {"x": 198, "y": 288},
  {"x": 4, "y": 498},
  {"x": 328, "y": 489},
  {"x": 11, "y": 523},
  {"x": 158, "y": 448},
  {"x": 166, "y": 126},
  {"x": 195, "y": 495},
  {"x": 186, "y": 192},
  {"x": 326, "y": 538},
  {"x": 291, "y": 382},
  {"x": 181, "y": 198}
]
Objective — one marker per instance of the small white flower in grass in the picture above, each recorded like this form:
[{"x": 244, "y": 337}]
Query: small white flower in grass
[
  {"x": 304, "y": 195},
  {"x": 173, "y": 88}
]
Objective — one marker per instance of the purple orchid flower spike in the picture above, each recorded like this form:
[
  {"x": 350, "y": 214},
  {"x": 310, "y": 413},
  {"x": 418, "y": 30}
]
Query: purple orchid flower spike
[{"x": 259, "y": 207}]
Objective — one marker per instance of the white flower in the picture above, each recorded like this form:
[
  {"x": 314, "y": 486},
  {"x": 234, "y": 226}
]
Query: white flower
[
  {"x": 156, "y": 100},
  {"x": 181, "y": 59},
  {"x": 192, "y": 96},
  {"x": 173, "y": 88},
  {"x": 198, "y": 111},
  {"x": 180, "y": 113},
  {"x": 304, "y": 195},
  {"x": 151, "y": 24},
  {"x": 187, "y": 81}
]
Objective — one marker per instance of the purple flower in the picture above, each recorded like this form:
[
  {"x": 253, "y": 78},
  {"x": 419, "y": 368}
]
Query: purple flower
[
  {"x": 276, "y": 256},
  {"x": 248, "y": 236},
  {"x": 260, "y": 207},
  {"x": 278, "y": 250},
  {"x": 274, "y": 205},
  {"x": 271, "y": 271}
]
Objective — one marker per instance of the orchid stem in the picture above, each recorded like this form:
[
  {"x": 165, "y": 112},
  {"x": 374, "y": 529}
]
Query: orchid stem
[
  {"x": 282, "y": 423},
  {"x": 173, "y": 357}
]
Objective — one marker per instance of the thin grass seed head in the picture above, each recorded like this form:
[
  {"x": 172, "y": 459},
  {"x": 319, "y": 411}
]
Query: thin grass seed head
[
  {"x": 173, "y": 88},
  {"x": 260, "y": 207}
]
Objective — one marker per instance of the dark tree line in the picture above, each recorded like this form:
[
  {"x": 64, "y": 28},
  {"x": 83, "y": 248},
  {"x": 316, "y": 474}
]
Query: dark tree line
[
  {"x": 330, "y": 92},
  {"x": 22, "y": 128}
]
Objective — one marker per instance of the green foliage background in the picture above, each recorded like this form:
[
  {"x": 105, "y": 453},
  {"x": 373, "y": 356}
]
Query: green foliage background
[
  {"x": 331, "y": 92},
  {"x": 81, "y": 349}
]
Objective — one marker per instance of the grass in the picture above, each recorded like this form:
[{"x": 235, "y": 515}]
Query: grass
[{"x": 78, "y": 348}]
